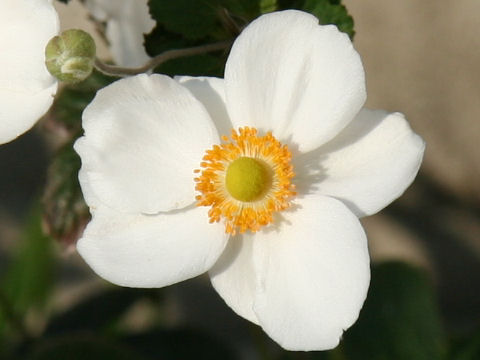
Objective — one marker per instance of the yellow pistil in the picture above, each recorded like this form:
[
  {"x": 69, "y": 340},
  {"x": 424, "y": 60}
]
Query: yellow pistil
[{"x": 245, "y": 180}]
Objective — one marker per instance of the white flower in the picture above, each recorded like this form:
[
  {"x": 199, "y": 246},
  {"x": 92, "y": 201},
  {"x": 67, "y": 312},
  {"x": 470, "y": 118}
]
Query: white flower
[
  {"x": 127, "y": 22},
  {"x": 26, "y": 87},
  {"x": 295, "y": 264}
]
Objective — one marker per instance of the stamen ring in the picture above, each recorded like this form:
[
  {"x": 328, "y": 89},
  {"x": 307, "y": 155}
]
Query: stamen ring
[{"x": 245, "y": 180}]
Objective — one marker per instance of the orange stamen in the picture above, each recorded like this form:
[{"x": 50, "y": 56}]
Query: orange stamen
[{"x": 240, "y": 215}]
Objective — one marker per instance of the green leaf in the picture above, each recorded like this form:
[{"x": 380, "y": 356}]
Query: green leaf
[
  {"x": 211, "y": 64},
  {"x": 97, "y": 312},
  {"x": 160, "y": 40},
  {"x": 192, "y": 19},
  {"x": 183, "y": 24},
  {"x": 82, "y": 348},
  {"x": 331, "y": 12},
  {"x": 399, "y": 320},
  {"x": 199, "y": 65},
  {"x": 202, "y": 19},
  {"x": 65, "y": 211}
]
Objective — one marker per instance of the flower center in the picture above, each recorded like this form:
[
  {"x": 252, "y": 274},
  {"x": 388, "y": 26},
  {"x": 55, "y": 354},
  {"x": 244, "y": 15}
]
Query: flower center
[{"x": 245, "y": 180}]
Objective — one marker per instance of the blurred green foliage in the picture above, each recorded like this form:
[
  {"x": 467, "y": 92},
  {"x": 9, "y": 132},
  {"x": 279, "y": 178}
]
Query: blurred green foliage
[
  {"x": 466, "y": 348},
  {"x": 179, "y": 343},
  {"x": 82, "y": 348},
  {"x": 28, "y": 282},
  {"x": 65, "y": 212},
  {"x": 97, "y": 313},
  {"x": 400, "y": 319}
]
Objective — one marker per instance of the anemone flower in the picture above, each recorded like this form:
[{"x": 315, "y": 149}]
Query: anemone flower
[
  {"x": 26, "y": 86},
  {"x": 258, "y": 178}
]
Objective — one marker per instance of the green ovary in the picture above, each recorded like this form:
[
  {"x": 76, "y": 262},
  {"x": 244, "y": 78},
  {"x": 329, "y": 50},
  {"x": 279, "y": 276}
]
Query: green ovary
[{"x": 247, "y": 179}]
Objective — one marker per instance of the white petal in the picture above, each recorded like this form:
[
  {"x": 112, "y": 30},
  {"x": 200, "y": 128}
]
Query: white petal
[
  {"x": 88, "y": 194},
  {"x": 127, "y": 21},
  {"x": 370, "y": 164},
  {"x": 151, "y": 250},
  {"x": 210, "y": 91},
  {"x": 288, "y": 74},
  {"x": 313, "y": 274},
  {"x": 144, "y": 136},
  {"x": 26, "y": 87},
  {"x": 233, "y": 276}
]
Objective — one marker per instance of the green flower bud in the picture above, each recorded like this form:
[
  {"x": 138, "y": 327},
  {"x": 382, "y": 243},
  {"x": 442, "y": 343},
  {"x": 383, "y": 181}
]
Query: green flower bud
[{"x": 70, "y": 56}]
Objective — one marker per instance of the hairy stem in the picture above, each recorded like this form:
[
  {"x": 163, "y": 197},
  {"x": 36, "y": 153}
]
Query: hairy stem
[{"x": 113, "y": 70}]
